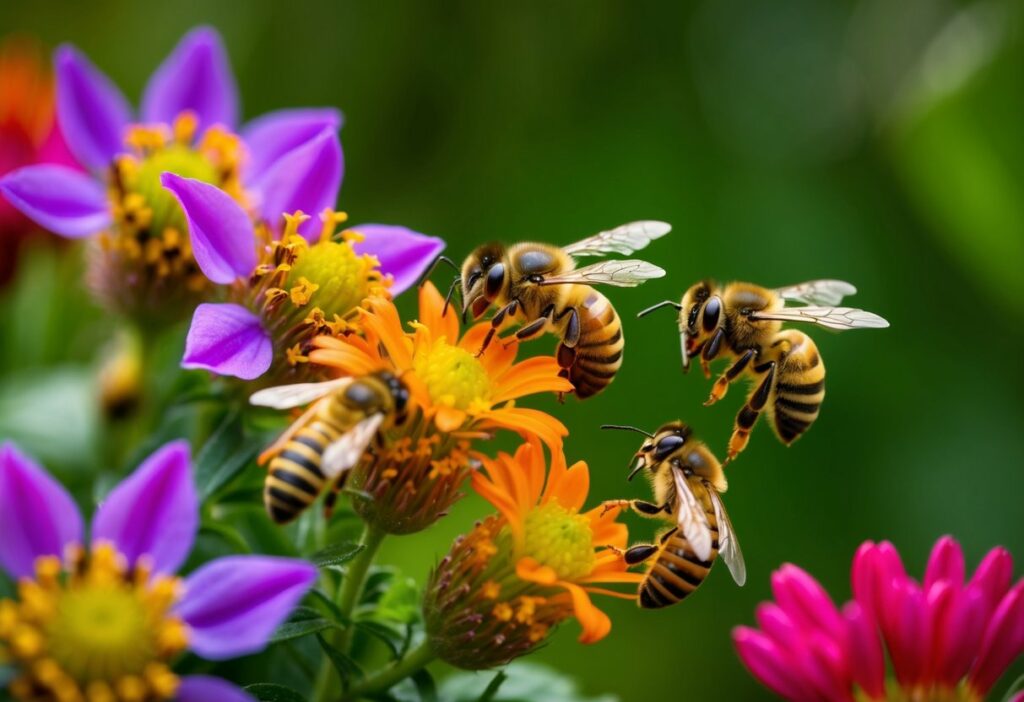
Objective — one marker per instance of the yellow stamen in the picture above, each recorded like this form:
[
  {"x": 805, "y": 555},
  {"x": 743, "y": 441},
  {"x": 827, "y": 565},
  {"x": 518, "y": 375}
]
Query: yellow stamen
[
  {"x": 453, "y": 376},
  {"x": 561, "y": 539}
]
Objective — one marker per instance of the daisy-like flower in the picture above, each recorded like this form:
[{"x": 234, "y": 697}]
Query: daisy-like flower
[
  {"x": 458, "y": 396},
  {"x": 285, "y": 289},
  {"x": 106, "y": 619},
  {"x": 505, "y": 585},
  {"x": 28, "y": 132},
  {"x": 141, "y": 259},
  {"x": 948, "y": 640}
]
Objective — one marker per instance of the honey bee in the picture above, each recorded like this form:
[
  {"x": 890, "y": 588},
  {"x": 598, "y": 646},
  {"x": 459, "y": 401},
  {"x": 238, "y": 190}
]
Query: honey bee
[
  {"x": 540, "y": 284},
  {"x": 328, "y": 439},
  {"x": 743, "y": 323},
  {"x": 687, "y": 479}
]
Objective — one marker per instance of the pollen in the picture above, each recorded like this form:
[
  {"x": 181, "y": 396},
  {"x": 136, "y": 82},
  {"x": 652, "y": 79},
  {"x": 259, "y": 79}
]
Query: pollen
[
  {"x": 453, "y": 376},
  {"x": 93, "y": 629},
  {"x": 560, "y": 539},
  {"x": 331, "y": 275}
]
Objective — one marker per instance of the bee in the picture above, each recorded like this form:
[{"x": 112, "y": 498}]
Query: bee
[
  {"x": 540, "y": 284},
  {"x": 687, "y": 479},
  {"x": 328, "y": 439},
  {"x": 743, "y": 323}
]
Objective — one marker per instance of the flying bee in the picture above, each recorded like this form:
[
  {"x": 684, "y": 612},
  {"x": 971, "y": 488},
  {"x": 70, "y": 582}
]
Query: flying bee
[
  {"x": 687, "y": 479},
  {"x": 743, "y": 323},
  {"x": 328, "y": 439},
  {"x": 540, "y": 285}
]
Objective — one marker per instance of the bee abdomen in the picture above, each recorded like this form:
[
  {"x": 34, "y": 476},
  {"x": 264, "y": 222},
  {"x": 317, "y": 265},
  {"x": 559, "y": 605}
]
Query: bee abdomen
[
  {"x": 294, "y": 478},
  {"x": 599, "y": 351},
  {"x": 799, "y": 392},
  {"x": 676, "y": 572}
]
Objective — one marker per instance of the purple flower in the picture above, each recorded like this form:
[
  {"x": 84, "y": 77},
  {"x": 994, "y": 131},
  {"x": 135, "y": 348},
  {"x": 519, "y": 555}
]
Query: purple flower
[
  {"x": 301, "y": 287},
  {"x": 141, "y": 534}
]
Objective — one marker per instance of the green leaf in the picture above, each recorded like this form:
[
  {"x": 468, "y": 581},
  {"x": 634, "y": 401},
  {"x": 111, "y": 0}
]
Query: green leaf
[
  {"x": 385, "y": 634},
  {"x": 269, "y": 692},
  {"x": 297, "y": 629},
  {"x": 400, "y": 602},
  {"x": 1017, "y": 686},
  {"x": 226, "y": 454},
  {"x": 336, "y": 554},
  {"x": 425, "y": 685},
  {"x": 347, "y": 668},
  {"x": 326, "y": 600},
  {"x": 524, "y": 682}
]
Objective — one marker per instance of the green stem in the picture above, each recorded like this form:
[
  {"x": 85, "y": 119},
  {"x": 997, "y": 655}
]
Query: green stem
[
  {"x": 347, "y": 598},
  {"x": 415, "y": 661}
]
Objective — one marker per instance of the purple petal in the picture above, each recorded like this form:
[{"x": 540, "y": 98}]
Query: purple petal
[
  {"x": 197, "y": 77},
  {"x": 403, "y": 253},
  {"x": 204, "y": 688},
  {"x": 59, "y": 199},
  {"x": 37, "y": 516},
  {"x": 307, "y": 178},
  {"x": 232, "y": 605},
  {"x": 227, "y": 339},
  {"x": 91, "y": 111},
  {"x": 273, "y": 135},
  {"x": 223, "y": 241},
  {"x": 153, "y": 512}
]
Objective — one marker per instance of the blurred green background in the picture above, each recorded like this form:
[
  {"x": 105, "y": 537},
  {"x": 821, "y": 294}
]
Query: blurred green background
[{"x": 871, "y": 141}]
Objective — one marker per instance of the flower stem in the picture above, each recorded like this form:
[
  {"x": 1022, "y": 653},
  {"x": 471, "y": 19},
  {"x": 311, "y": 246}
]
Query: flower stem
[
  {"x": 347, "y": 597},
  {"x": 415, "y": 661}
]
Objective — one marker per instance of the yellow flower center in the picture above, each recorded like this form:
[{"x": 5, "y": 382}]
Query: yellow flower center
[
  {"x": 561, "y": 539},
  {"x": 178, "y": 159},
  {"x": 92, "y": 630},
  {"x": 453, "y": 376},
  {"x": 331, "y": 276}
]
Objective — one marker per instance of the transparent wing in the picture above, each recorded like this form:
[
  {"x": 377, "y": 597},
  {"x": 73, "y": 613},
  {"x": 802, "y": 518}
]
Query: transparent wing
[
  {"x": 347, "y": 450},
  {"x": 288, "y": 396},
  {"x": 837, "y": 318},
  {"x": 623, "y": 274},
  {"x": 818, "y": 292},
  {"x": 728, "y": 546},
  {"x": 691, "y": 518},
  {"x": 622, "y": 240}
]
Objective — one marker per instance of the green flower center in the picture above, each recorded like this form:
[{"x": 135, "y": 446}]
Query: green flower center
[
  {"x": 561, "y": 539},
  {"x": 331, "y": 276},
  {"x": 453, "y": 376},
  {"x": 178, "y": 159}
]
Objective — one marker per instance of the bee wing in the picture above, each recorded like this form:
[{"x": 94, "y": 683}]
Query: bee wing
[
  {"x": 348, "y": 449},
  {"x": 691, "y": 518},
  {"x": 624, "y": 239},
  {"x": 728, "y": 546},
  {"x": 837, "y": 318},
  {"x": 288, "y": 396},
  {"x": 818, "y": 292},
  {"x": 624, "y": 274}
]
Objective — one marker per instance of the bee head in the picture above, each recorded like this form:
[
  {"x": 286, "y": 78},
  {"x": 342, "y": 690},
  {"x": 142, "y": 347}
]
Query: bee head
[
  {"x": 658, "y": 447},
  {"x": 700, "y": 315},
  {"x": 399, "y": 392},
  {"x": 483, "y": 278}
]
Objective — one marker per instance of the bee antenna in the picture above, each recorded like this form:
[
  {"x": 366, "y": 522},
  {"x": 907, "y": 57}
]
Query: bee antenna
[
  {"x": 430, "y": 270},
  {"x": 626, "y": 427},
  {"x": 663, "y": 303}
]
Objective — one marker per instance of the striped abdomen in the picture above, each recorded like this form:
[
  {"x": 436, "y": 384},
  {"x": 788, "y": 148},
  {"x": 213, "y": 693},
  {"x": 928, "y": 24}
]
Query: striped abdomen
[
  {"x": 676, "y": 571},
  {"x": 599, "y": 351},
  {"x": 799, "y": 388},
  {"x": 294, "y": 478}
]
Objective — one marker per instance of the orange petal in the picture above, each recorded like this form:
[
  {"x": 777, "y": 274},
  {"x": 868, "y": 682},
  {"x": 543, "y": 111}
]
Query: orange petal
[
  {"x": 350, "y": 360},
  {"x": 431, "y": 306},
  {"x": 595, "y": 623},
  {"x": 387, "y": 325},
  {"x": 527, "y": 422},
  {"x": 530, "y": 570},
  {"x": 448, "y": 418},
  {"x": 569, "y": 486},
  {"x": 501, "y": 500},
  {"x": 606, "y": 531},
  {"x": 534, "y": 375},
  {"x": 498, "y": 356}
]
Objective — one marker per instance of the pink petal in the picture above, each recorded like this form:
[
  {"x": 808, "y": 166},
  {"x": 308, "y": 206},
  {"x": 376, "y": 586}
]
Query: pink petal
[
  {"x": 805, "y": 600},
  {"x": 867, "y": 661},
  {"x": 993, "y": 576},
  {"x": 767, "y": 662},
  {"x": 946, "y": 563},
  {"x": 1003, "y": 641}
]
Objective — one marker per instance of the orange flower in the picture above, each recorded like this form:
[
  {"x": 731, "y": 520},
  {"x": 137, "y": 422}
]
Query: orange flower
[
  {"x": 458, "y": 389},
  {"x": 519, "y": 573}
]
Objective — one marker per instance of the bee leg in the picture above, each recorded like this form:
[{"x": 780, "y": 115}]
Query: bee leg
[
  {"x": 638, "y": 553},
  {"x": 332, "y": 496},
  {"x": 721, "y": 385},
  {"x": 711, "y": 350},
  {"x": 571, "y": 335},
  {"x": 748, "y": 415},
  {"x": 496, "y": 321},
  {"x": 641, "y": 507},
  {"x": 536, "y": 326}
]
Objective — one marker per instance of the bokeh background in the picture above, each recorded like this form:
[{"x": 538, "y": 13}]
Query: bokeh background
[{"x": 871, "y": 141}]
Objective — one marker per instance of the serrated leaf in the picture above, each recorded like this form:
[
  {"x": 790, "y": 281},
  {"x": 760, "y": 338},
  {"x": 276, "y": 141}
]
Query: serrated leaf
[
  {"x": 347, "y": 668},
  {"x": 425, "y": 685},
  {"x": 269, "y": 692},
  {"x": 336, "y": 554},
  {"x": 297, "y": 629}
]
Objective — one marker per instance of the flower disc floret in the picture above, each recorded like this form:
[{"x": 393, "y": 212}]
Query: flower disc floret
[
  {"x": 453, "y": 376},
  {"x": 559, "y": 539}
]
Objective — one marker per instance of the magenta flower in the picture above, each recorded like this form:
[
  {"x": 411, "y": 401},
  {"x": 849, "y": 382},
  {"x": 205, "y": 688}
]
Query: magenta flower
[
  {"x": 112, "y": 616},
  {"x": 947, "y": 639}
]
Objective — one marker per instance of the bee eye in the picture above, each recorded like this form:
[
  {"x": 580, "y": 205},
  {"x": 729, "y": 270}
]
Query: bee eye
[
  {"x": 667, "y": 445},
  {"x": 712, "y": 311},
  {"x": 495, "y": 279}
]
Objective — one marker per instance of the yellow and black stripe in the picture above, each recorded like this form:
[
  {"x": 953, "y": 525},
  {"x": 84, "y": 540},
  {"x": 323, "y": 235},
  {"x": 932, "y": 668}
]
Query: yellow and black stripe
[
  {"x": 676, "y": 571},
  {"x": 799, "y": 392},
  {"x": 294, "y": 478},
  {"x": 599, "y": 350}
]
